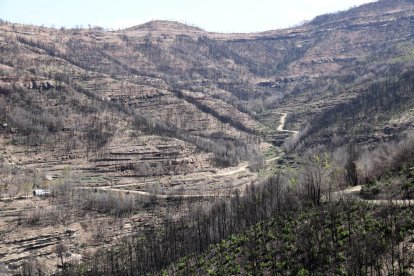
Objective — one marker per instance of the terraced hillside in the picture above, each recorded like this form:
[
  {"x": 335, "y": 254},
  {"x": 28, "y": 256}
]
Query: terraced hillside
[{"x": 163, "y": 114}]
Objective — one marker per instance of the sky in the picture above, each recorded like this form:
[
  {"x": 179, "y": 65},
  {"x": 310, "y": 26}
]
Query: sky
[{"x": 210, "y": 15}]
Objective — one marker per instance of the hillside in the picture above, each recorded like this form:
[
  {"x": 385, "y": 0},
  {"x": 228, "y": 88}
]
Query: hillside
[
  {"x": 127, "y": 129},
  {"x": 344, "y": 239}
]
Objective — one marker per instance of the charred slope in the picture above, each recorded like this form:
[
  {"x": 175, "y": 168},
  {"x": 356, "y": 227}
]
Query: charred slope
[
  {"x": 310, "y": 69},
  {"x": 164, "y": 99}
]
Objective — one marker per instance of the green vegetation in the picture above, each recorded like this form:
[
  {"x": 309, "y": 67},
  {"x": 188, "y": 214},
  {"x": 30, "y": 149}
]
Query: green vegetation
[
  {"x": 345, "y": 238},
  {"x": 272, "y": 152}
]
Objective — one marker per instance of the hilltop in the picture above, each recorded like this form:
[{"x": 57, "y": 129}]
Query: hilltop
[{"x": 164, "y": 25}]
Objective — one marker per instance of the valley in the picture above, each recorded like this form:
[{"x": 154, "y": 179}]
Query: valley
[{"x": 154, "y": 148}]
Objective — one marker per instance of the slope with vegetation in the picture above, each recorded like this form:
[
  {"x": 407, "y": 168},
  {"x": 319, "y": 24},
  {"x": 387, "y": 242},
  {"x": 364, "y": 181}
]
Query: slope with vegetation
[
  {"x": 346, "y": 238},
  {"x": 133, "y": 129}
]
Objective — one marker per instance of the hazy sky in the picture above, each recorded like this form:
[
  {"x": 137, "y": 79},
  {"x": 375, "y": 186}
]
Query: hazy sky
[{"x": 211, "y": 15}]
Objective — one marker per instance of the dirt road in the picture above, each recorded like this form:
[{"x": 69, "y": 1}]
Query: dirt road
[
  {"x": 357, "y": 189},
  {"x": 244, "y": 167},
  {"x": 281, "y": 126}
]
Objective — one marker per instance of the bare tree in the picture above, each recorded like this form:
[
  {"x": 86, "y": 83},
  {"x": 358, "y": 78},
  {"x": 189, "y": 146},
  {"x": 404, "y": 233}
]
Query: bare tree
[
  {"x": 317, "y": 170},
  {"x": 60, "y": 250}
]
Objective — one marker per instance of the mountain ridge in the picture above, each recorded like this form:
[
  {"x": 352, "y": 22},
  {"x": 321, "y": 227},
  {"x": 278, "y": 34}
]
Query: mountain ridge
[{"x": 368, "y": 7}]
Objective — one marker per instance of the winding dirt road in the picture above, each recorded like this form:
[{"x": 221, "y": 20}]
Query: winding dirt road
[
  {"x": 244, "y": 167},
  {"x": 281, "y": 126}
]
